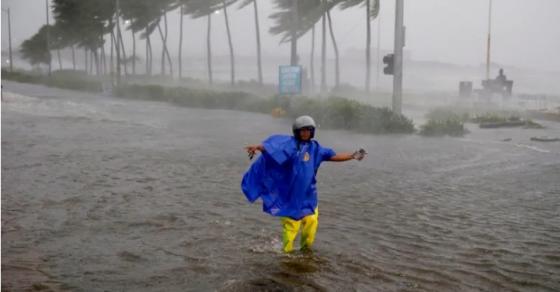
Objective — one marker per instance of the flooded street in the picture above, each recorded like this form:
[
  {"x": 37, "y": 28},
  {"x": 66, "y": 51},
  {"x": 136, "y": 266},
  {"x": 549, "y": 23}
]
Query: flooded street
[{"x": 106, "y": 194}]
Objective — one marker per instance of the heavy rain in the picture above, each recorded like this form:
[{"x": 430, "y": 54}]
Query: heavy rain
[{"x": 126, "y": 127}]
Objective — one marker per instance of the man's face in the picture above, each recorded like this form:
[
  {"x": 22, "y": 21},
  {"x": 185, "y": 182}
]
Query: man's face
[{"x": 305, "y": 134}]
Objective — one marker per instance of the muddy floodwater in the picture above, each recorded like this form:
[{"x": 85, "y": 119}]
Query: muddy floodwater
[{"x": 106, "y": 194}]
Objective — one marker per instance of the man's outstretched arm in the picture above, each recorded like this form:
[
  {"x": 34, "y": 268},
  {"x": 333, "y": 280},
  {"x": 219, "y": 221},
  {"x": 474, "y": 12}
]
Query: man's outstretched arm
[
  {"x": 345, "y": 156},
  {"x": 252, "y": 149}
]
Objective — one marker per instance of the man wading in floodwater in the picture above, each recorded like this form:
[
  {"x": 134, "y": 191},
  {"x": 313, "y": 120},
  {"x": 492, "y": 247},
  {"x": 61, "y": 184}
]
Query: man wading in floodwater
[{"x": 284, "y": 178}]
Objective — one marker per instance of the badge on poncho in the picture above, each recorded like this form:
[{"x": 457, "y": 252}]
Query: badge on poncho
[{"x": 306, "y": 156}]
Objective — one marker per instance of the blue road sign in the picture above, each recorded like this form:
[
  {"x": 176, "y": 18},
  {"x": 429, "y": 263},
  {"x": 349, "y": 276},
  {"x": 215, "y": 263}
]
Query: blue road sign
[{"x": 289, "y": 80}]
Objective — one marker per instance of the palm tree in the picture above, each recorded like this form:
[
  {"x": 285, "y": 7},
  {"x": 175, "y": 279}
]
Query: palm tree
[
  {"x": 84, "y": 22},
  {"x": 205, "y": 8},
  {"x": 324, "y": 11},
  {"x": 231, "y": 54},
  {"x": 180, "y": 54},
  {"x": 323, "y": 53},
  {"x": 164, "y": 51},
  {"x": 309, "y": 12},
  {"x": 57, "y": 41},
  {"x": 291, "y": 23},
  {"x": 120, "y": 43},
  {"x": 143, "y": 16},
  {"x": 372, "y": 11},
  {"x": 335, "y": 47},
  {"x": 133, "y": 52},
  {"x": 258, "y": 36},
  {"x": 35, "y": 48}
]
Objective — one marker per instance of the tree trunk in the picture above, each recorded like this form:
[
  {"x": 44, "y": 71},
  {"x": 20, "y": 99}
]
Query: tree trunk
[
  {"x": 96, "y": 59},
  {"x": 166, "y": 49},
  {"x": 312, "y": 61},
  {"x": 293, "y": 47},
  {"x": 73, "y": 58},
  {"x": 91, "y": 63},
  {"x": 117, "y": 40},
  {"x": 48, "y": 38},
  {"x": 124, "y": 58},
  {"x": 103, "y": 60},
  {"x": 111, "y": 62},
  {"x": 368, "y": 47},
  {"x": 337, "y": 61},
  {"x": 259, "y": 62},
  {"x": 324, "y": 56},
  {"x": 378, "y": 50},
  {"x": 147, "y": 58},
  {"x": 180, "y": 53},
  {"x": 148, "y": 54},
  {"x": 163, "y": 49},
  {"x": 231, "y": 54},
  {"x": 133, "y": 53},
  {"x": 85, "y": 60},
  {"x": 59, "y": 60},
  {"x": 209, "y": 49},
  {"x": 120, "y": 46},
  {"x": 118, "y": 52}
]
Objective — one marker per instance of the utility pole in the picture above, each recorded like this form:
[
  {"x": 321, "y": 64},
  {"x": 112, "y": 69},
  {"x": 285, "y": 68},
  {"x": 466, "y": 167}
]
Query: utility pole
[
  {"x": 398, "y": 57},
  {"x": 10, "y": 38},
  {"x": 48, "y": 36},
  {"x": 488, "y": 43}
]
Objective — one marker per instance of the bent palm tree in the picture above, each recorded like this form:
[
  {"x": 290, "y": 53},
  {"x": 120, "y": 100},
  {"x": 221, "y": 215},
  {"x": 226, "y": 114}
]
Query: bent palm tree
[
  {"x": 205, "y": 8},
  {"x": 35, "y": 49},
  {"x": 258, "y": 37},
  {"x": 372, "y": 11}
]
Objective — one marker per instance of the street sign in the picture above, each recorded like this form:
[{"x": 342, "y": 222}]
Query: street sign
[{"x": 289, "y": 80}]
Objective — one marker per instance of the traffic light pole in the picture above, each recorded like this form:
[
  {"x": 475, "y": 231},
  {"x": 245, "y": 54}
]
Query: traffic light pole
[{"x": 398, "y": 57}]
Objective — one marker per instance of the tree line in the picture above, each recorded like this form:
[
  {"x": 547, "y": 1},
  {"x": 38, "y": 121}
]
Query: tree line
[{"x": 89, "y": 25}]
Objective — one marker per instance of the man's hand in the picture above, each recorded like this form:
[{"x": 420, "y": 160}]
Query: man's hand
[
  {"x": 359, "y": 154},
  {"x": 252, "y": 150}
]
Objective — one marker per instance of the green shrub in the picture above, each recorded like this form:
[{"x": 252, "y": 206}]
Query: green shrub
[
  {"x": 341, "y": 113},
  {"x": 331, "y": 113},
  {"x": 445, "y": 121},
  {"x": 68, "y": 79},
  {"x": 21, "y": 77},
  {"x": 73, "y": 79},
  {"x": 198, "y": 98},
  {"x": 447, "y": 113},
  {"x": 496, "y": 117},
  {"x": 451, "y": 126},
  {"x": 530, "y": 124}
]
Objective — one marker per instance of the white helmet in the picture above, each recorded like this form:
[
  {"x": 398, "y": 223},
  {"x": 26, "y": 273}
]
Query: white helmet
[{"x": 303, "y": 122}]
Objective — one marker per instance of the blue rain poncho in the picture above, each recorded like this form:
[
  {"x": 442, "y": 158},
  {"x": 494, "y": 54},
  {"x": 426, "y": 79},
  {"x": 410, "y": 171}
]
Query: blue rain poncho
[{"x": 284, "y": 176}]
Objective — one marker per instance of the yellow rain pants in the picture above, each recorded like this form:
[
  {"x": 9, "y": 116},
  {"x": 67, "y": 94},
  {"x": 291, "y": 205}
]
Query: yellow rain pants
[{"x": 291, "y": 229}]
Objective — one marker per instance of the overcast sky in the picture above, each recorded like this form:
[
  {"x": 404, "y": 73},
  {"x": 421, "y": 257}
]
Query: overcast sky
[{"x": 525, "y": 33}]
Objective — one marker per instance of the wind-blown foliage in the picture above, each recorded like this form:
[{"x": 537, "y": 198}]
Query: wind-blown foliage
[
  {"x": 35, "y": 48},
  {"x": 86, "y": 24},
  {"x": 373, "y": 11},
  {"x": 308, "y": 12}
]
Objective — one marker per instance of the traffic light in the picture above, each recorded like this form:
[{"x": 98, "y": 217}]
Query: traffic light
[{"x": 389, "y": 61}]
